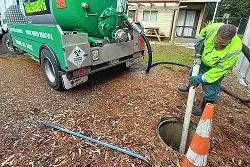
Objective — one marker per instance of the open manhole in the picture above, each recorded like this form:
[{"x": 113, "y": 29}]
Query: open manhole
[{"x": 170, "y": 131}]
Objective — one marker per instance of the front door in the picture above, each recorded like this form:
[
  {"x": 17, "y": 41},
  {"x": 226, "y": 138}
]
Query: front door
[{"x": 187, "y": 23}]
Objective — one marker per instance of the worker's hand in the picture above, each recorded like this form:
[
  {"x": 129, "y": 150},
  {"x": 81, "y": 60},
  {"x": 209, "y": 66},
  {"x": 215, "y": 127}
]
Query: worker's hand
[{"x": 196, "y": 80}]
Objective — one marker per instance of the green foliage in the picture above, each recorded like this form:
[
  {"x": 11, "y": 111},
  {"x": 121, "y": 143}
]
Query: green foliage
[{"x": 236, "y": 8}]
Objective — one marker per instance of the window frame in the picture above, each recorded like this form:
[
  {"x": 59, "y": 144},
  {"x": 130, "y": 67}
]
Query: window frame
[{"x": 150, "y": 15}]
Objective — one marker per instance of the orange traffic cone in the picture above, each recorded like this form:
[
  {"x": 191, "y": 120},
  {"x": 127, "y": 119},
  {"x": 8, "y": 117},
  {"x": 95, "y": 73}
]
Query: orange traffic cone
[{"x": 198, "y": 150}]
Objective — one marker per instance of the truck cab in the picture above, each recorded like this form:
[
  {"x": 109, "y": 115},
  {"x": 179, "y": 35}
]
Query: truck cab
[{"x": 4, "y": 4}]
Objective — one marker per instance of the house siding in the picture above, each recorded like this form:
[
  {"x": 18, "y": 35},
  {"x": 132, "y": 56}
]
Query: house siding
[
  {"x": 166, "y": 13},
  {"x": 164, "y": 21},
  {"x": 164, "y": 17}
]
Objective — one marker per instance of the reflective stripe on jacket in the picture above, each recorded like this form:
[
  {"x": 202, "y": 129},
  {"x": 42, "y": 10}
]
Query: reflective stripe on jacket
[{"x": 222, "y": 61}]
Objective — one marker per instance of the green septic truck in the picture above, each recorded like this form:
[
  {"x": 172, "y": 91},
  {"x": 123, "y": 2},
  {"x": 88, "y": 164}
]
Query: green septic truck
[{"x": 73, "y": 38}]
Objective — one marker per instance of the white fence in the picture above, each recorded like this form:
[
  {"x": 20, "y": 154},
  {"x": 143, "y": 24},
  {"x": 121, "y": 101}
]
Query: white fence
[{"x": 242, "y": 67}]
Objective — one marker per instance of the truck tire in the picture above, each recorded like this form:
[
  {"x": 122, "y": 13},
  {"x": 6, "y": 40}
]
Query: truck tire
[
  {"x": 7, "y": 43},
  {"x": 51, "y": 69}
]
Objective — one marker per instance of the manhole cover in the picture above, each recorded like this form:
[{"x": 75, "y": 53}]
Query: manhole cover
[{"x": 170, "y": 131}]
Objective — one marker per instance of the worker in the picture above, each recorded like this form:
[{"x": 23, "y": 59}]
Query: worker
[{"x": 222, "y": 47}]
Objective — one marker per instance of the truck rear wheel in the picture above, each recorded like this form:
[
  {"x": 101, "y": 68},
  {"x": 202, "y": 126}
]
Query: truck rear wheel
[
  {"x": 7, "y": 43},
  {"x": 51, "y": 69}
]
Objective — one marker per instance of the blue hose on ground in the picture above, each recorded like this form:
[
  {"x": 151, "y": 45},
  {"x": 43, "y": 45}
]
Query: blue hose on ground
[{"x": 135, "y": 155}]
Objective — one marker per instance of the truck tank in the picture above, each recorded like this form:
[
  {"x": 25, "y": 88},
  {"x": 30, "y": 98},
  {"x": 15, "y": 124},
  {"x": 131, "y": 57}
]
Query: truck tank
[{"x": 98, "y": 18}]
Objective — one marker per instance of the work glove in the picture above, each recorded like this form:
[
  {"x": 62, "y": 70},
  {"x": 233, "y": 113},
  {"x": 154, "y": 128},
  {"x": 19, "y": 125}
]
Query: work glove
[
  {"x": 196, "y": 80},
  {"x": 199, "y": 45}
]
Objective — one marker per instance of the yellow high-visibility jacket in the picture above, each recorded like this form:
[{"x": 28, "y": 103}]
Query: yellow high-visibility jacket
[{"x": 219, "y": 61}]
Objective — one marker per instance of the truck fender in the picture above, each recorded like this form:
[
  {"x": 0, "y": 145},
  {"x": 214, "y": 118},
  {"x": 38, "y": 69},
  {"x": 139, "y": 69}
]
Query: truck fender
[{"x": 47, "y": 47}]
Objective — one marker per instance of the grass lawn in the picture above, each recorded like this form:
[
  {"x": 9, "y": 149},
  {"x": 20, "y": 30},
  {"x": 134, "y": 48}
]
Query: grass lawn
[{"x": 171, "y": 53}]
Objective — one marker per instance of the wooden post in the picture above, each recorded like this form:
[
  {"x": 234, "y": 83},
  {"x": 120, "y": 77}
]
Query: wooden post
[{"x": 176, "y": 14}]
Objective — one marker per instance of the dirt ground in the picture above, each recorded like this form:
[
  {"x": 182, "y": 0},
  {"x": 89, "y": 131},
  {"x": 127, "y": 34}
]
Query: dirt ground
[{"x": 122, "y": 108}]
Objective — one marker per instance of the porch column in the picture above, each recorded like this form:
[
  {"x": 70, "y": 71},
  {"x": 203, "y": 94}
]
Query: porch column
[
  {"x": 176, "y": 14},
  {"x": 215, "y": 11}
]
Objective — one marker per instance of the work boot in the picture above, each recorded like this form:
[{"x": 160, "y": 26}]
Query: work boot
[
  {"x": 197, "y": 111},
  {"x": 183, "y": 88}
]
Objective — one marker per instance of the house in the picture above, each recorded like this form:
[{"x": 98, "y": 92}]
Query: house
[
  {"x": 172, "y": 19},
  {"x": 156, "y": 14}
]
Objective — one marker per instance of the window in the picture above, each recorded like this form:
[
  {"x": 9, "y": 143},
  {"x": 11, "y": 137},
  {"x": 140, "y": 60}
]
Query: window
[
  {"x": 150, "y": 16},
  {"x": 36, "y": 7},
  {"x": 187, "y": 23}
]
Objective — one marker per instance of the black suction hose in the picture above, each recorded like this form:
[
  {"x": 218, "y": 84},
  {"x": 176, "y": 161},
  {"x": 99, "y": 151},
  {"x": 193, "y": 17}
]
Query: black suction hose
[
  {"x": 169, "y": 62},
  {"x": 198, "y": 51},
  {"x": 138, "y": 28},
  {"x": 246, "y": 52},
  {"x": 150, "y": 57},
  {"x": 149, "y": 52},
  {"x": 233, "y": 94}
]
